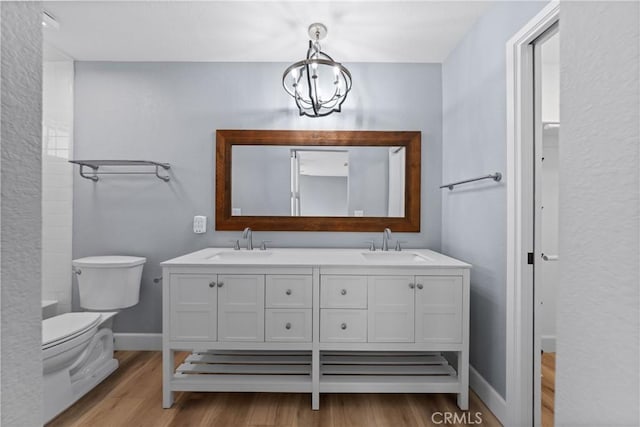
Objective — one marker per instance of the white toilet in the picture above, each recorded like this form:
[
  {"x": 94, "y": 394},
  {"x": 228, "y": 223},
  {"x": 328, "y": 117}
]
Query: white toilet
[{"x": 78, "y": 347}]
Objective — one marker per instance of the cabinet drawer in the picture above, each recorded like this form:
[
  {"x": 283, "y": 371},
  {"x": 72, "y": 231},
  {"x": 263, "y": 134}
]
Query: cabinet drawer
[
  {"x": 288, "y": 291},
  {"x": 343, "y": 291},
  {"x": 343, "y": 325},
  {"x": 287, "y": 325}
]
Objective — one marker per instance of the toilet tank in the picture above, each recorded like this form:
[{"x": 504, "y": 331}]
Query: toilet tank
[{"x": 108, "y": 282}]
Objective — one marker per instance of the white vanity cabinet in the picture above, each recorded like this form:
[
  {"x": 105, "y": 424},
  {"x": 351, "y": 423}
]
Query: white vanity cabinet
[
  {"x": 315, "y": 321},
  {"x": 231, "y": 307},
  {"x": 391, "y": 309}
]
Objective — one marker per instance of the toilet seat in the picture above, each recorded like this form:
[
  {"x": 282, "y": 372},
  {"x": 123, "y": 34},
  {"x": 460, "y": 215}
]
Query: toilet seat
[{"x": 65, "y": 327}]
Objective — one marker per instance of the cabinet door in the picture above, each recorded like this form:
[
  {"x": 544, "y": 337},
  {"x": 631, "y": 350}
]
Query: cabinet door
[
  {"x": 391, "y": 308},
  {"x": 194, "y": 306},
  {"x": 438, "y": 309},
  {"x": 241, "y": 307}
]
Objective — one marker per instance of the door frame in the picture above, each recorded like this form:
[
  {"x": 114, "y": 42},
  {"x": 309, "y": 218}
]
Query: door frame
[
  {"x": 520, "y": 218},
  {"x": 537, "y": 224}
]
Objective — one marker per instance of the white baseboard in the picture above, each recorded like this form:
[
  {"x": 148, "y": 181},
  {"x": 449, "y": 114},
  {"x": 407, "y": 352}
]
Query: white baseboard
[
  {"x": 138, "y": 342},
  {"x": 548, "y": 343},
  {"x": 488, "y": 395}
]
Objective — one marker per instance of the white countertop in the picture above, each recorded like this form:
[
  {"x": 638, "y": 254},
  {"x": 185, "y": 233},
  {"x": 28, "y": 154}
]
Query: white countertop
[{"x": 316, "y": 257}]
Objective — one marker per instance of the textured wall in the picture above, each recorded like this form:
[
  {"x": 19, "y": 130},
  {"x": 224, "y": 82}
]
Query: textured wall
[
  {"x": 170, "y": 111},
  {"x": 20, "y": 217},
  {"x": 474, "y": 144},
  {"x": 598, "y": 365}
]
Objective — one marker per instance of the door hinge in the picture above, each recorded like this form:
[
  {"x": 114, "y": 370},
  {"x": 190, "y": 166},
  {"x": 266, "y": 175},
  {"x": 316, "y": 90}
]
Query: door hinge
[{"x": 530, "y": 258}]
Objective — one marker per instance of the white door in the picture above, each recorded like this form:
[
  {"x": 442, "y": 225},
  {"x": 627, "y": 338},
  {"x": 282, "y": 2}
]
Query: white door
[
  {"x": 194, "y": 307},
  {"x": 241, "y": 307},
  {"x": 391, "y": 308},
  {"x": 397, "y": 173},
  {"x": 545, "y": 210},
  {"x": 438, "y": 309}
]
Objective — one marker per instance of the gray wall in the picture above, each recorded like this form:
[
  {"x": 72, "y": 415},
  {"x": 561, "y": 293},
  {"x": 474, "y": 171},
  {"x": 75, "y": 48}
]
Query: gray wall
[
  {"x": 323, "y": 195},
  {"x": 20, "y": 213},
  {"x": 261, "y": 180},
  {"x": 170, "y": 112},
  {"x": 369, "y": 181},
  {"x": 474, "y": 216},
  {"x": 598, "y": 364}
]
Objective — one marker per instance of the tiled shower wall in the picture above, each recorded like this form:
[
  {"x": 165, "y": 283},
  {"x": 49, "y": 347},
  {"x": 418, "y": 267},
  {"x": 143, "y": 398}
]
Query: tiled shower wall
[{"x": 57, "y": 182}]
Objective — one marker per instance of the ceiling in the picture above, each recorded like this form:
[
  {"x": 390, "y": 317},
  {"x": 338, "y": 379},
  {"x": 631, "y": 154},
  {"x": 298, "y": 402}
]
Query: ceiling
[{"x": 273, "y": 31}]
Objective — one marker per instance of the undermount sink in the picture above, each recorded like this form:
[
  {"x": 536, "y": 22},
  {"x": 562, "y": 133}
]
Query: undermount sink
[
  {"x": 240, "y": 255},
  {"x": 399, "y": 257}
]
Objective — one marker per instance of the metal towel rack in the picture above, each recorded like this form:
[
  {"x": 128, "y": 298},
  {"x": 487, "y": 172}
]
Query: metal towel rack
[
  {"x": 549, "y": 257},
  {"x": 494, "y": 176},
  {"x": 95, "y": 164}
]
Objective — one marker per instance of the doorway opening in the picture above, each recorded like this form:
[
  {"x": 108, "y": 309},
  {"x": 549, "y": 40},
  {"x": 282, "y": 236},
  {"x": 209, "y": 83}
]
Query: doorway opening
[
  {"x": 523, "y": 348},
  {"x": 546, "y": 130}
]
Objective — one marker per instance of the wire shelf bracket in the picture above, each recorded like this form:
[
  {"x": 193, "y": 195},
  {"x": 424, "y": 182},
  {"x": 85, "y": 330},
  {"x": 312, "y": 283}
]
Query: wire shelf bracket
[{"x": 94, "y": 165}]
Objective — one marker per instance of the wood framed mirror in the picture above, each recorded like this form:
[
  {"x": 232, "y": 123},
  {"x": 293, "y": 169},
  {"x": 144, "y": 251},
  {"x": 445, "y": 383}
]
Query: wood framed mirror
[{"x": 275, "y": 180}]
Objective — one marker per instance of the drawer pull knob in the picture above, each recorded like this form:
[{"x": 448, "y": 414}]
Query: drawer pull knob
[
  {"x": 220, "y": 284},
  {"x": 411, "y": 286},
  {"x": 419, "y": 285},
  {"x": 287, "y": 326},
  {"x": 343, "y": 326},
  {"x": 288, "y": 292},
  {"x": 343, "y": 292},
  {"x": 212, "y": 284}
]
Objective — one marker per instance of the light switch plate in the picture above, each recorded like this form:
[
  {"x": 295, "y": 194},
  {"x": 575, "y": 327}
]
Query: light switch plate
[{"x": 199, "y": 224}]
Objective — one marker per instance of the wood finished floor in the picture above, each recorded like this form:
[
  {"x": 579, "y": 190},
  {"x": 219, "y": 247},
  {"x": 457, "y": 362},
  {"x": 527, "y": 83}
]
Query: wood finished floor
[
  {"x": 132, "y": 396},
  {"x": 548, "y": 388}
]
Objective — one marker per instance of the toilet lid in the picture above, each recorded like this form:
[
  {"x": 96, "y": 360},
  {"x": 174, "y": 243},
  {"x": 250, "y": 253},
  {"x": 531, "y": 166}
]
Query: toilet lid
[
  {"x": 108, "y": 261},
  {"x": 66, "y": 326}
]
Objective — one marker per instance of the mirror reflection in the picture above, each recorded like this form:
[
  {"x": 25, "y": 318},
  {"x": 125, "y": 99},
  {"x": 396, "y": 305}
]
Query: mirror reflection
[{"x": 318, "y": 181}]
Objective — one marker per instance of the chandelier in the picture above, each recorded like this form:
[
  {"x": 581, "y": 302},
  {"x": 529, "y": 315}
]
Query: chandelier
[{"x": 318, "y": 84}]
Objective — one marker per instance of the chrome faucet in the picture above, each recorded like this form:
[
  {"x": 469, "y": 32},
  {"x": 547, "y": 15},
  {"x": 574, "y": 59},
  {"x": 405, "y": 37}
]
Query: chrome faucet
[
  {"x": 247, "y": 234},
  {"x": 386, "y": 235}
]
